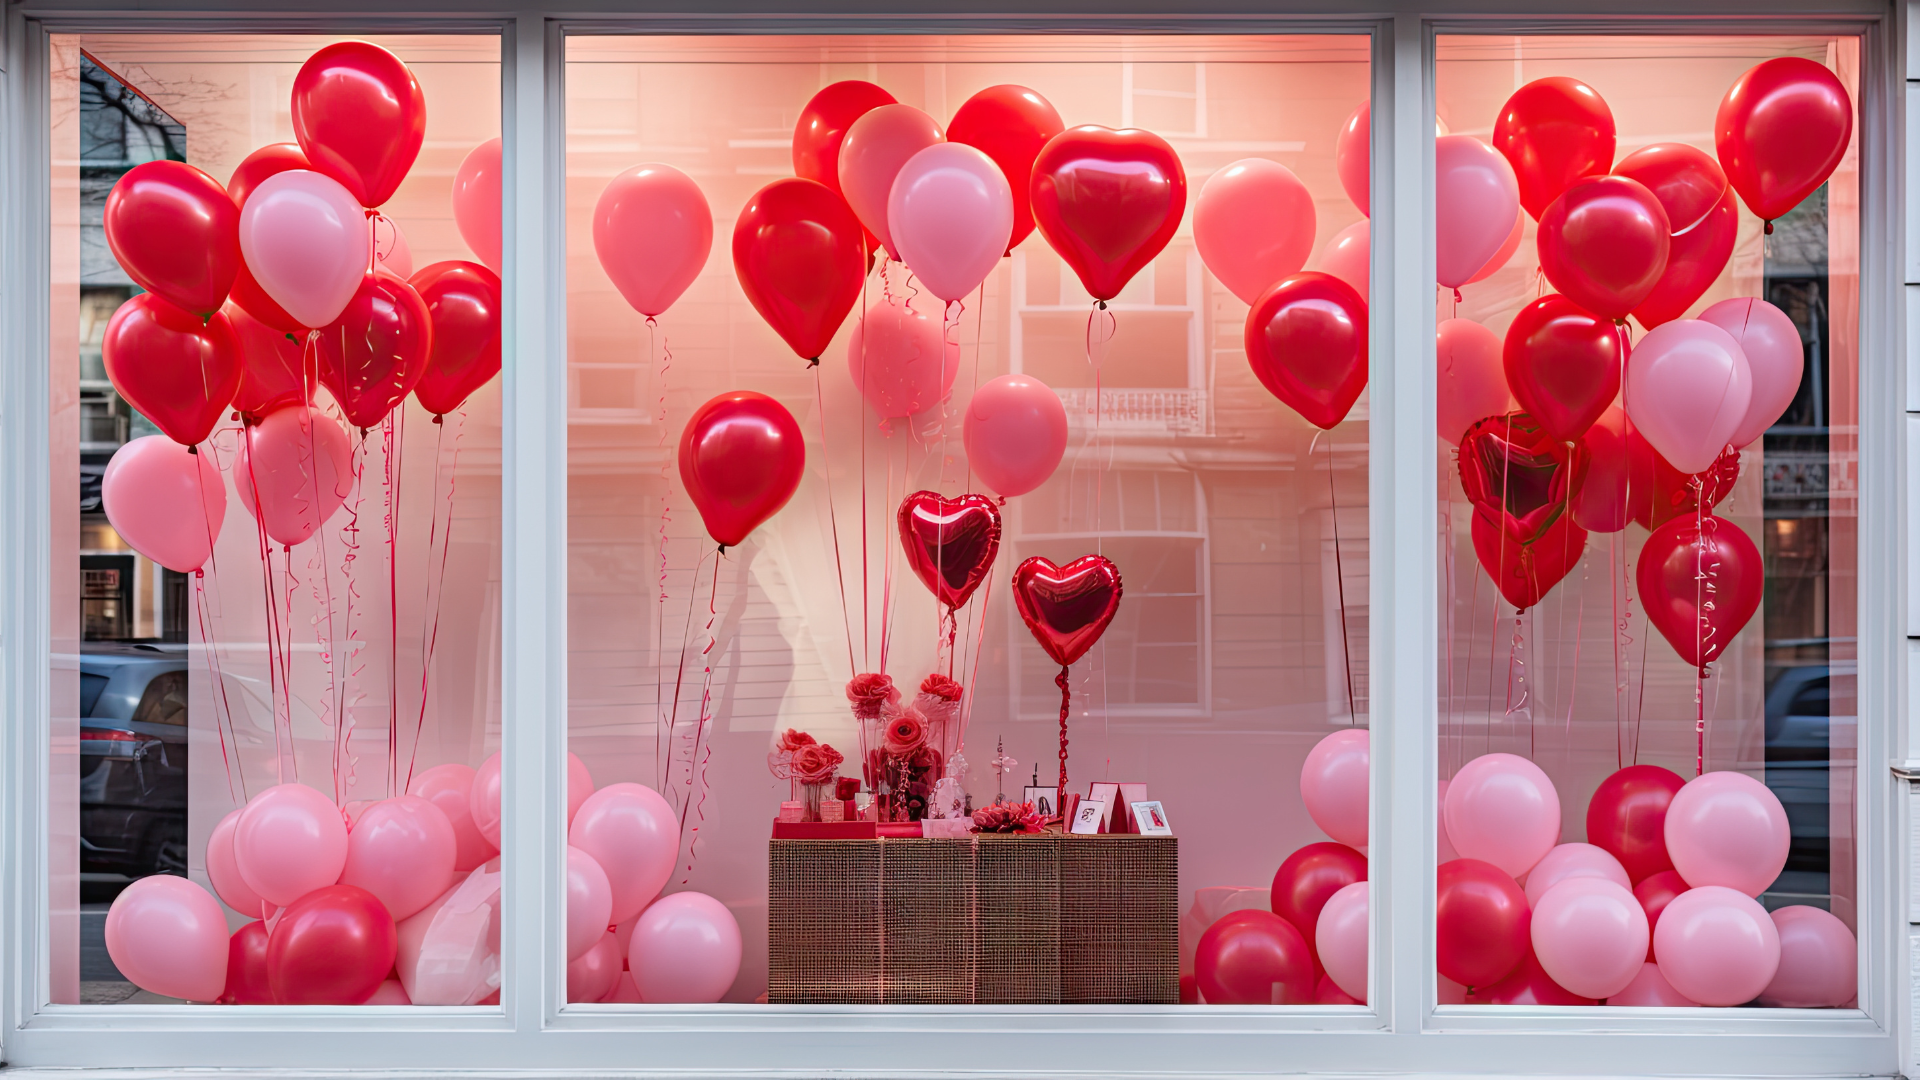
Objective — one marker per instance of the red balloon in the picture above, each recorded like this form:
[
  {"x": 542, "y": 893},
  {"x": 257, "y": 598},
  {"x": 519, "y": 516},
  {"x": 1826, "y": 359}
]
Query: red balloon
[
  {"x": 372, "y": 356},
  {"x": 1604, "y": 243},
  {"x": 1686, "y": 180},
  {"x": 360, "y": 117},
  {"x": 332, "y": 946},
  {"x": 1654, "y": 894},
  {"x": 1781, "y": 131},
  {"x": 1528, "y": 984},
  {"x": 1526, "y": 572},
  {"x": 1695, "y": 259},
  {"x": 248, "y": 294},
  {"x": 1481, "y": 920},
  {"x": 1563, "y": 364},
  {"x": 824, "y": 123},
  {"x": 1009, "y": 124},
  {"x": 1627, "y": 818},
  {"x": 1518, "y": 475},
  {"x": 463, "y": 304},
  {"x": 178, "y": 370},
  {"x": 1107, "y": 201},
  {"x": 1254, "y": 958},
  {"x": 1067, "y": 608},
  {"x": 247, "y": 967},
  {"x": 1700, "y": 582},
  {"x": 741, "y": 457},
  {"x": 1554, "y": 131},
  {"x": 801, "y": 257},
  {"x": 950, "y": 543},
  {"x": 1600, "y": 504},
  {"x": 176, "y": 233},
  {"x": 1661, "y": 491},
  {"x": 1306, "y": 339},
  {"x": 268, "y": 160},
  {"x": 271, "y": 372},
  {"x": 1310, "y": 877}
]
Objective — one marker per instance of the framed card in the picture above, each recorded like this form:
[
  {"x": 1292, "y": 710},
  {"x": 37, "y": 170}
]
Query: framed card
[
  {"x": 1042, "y": 800},
  {"x": 1152, "y": 819},
  {"x": 1108, "y": 795},
  {"x": 1089, "y": 818}
]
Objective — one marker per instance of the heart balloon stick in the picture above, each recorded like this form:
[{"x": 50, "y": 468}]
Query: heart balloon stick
[{"x": 1066, "y": 608}]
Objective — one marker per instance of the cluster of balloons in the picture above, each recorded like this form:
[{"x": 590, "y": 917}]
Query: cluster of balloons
[
  {"x": 397, "y": 902},
  {"x": 1657, "y": 907},
  {"x": 286, "y": 279}
]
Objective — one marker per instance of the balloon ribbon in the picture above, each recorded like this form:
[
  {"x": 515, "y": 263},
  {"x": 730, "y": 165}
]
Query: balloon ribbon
[{"x": 1066, "y": 699}]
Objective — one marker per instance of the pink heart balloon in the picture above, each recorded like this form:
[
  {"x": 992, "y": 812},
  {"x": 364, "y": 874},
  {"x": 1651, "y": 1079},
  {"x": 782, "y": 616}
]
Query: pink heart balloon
[{"x": 307, "y": 243}]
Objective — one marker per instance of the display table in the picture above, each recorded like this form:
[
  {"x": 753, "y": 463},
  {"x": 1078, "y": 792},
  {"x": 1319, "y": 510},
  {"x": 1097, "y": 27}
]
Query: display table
[{"x": 985, "y": 920}]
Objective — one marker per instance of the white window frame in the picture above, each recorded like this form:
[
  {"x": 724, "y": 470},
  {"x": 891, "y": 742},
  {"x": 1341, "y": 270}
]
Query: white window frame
[{"x": 1404, "y": 1032}]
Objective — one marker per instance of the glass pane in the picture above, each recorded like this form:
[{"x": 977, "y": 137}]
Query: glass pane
[
  {"x": 1237, "y": 527},
  {"x": 292, "y": 611},
  {"x": 1649, "y": 408}
]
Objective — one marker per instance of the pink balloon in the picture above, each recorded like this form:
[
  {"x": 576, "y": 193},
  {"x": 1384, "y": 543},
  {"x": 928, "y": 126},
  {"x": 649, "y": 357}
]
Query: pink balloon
[
  {"x": 1600, "y": 503},
  {"x": 306, "y": 241},
  {"x": 579, "y": 785},
  {"x": 1015, "y": 434},
  {"x": 1505, "y": 253},
  {"x": 589, "y": 903},
  {"x": 900, "y": 358},
  {"x": 146, "y": 485},
  {"x": 1333, "y": 784},
  {"x": 290, "y": 840},
  {"x": 1775, "y": 359},
  {"x": 1253, "y": 224},
  {"x": 1476, "y": 201},
  {"x": 476, "y": 203},
  {"x": 168, "y": 936},
  {"x": 450, "y": 788},
  {"x": 652, "y": 230},
  {"x": 1446, "y": 852},
  {"x": 1819, "y": 961},
  {"x": 686, "y": 948},
  {"x": 1590, "y": 935},
  {"x": 1726, "y": 828},
  {"x": 1574, "y": 861},
  {"x": 1502, "y": 809},
  {"x": 402, "y": 851},
  {"x": 224, "y": 872},
  {"x": 1716, "y": 946},
  {"x": 483, "y": 800},
  {"x": 389, "y": 992},
  {"x": 1650, "y": 988},
  {"x": 449, "y": 951},
  {"x": 293, "y": 472},
  {"x": 951, "y": 215},
  {"x": 876, "y": 146},
  {"x": 624, "y": 991},
  {"x": 1352, "y": 150},
  {"x": 1340, "y": 939},
  {"x": 1346, "y": 256},
  {"x": 1473, "y": 379},
  {"x": 1687, "y": 390},
  {"x": 632, "y": 833},
  {"x": 592, "y": 974}
]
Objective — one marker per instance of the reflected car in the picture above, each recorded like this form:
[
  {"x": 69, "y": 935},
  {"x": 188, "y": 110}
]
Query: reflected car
[
  {"x": 1799, "y": 732},
  {"x": 133, "y": 759}
]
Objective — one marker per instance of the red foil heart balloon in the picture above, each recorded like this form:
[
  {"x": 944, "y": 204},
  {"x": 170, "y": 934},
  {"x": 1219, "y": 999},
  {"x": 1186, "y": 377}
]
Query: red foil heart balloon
[
  {"x": 1518, "y": 475},
  {"x": 1067, "y": 608},
  {"x": 1526, "y": 572},
  {"x": 1306, "y": 340},
  {"x": 463, "y": 303},
  {"x": 1700, "y": 579},
  {"x": 1108, "y": 201},
  {"x": 1563, "y": 364},
  {"x": 177, "y": 369},
  {"x": 950, "y": 543},
  {"x": 376, "y": 351}
]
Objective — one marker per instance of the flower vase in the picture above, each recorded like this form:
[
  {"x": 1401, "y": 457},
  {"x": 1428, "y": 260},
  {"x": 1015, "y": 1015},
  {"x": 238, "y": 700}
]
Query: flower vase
[{"x": 813, "y": 795}]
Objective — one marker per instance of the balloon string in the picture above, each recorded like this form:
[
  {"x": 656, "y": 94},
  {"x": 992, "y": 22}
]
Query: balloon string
[
  {"x": 666, "y": 516},
  {"x": 213, "y": 672},
  {"x": 287, "y": 582},
  {"x": 391, "y": 440},
  {"x": 866, "y": 600},
  {"x": 978, "y": 626},
  {"x": 696, "y": 799},
  {"x": 265, "y": 550},
  {"x": 438, "y": 591},
  {"x": 979, "y": 330},
  {"x": 1066, "y": 699},
  {"x": 833, "y": 516},
  {"x": 886, "y": 569},
  {"x": 1579, "y": 624},
  {"x": 350, "y": 542},
  {"x": 664, "y": 741},
  {"x": 1340, "y": 584},
  {"x": 323, "y": 584}
]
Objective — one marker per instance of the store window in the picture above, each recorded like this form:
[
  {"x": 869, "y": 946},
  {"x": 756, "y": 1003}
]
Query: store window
[
  {"x": 1650, "y": 408},
  {"x": 276, "y": 531}
]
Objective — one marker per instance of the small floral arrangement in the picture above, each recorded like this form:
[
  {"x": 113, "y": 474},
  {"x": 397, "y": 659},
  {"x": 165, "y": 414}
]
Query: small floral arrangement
[
  {"x": 1008, "y": 818},
  {"x": 801, "y": 758},
  {"x": 870, "y": 693}
]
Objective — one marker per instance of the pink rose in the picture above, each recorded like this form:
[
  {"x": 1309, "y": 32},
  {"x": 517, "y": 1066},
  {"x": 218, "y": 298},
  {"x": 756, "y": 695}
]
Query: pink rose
[
  {"x": 942, "y": 687},
  {"x": 794, "y": 740},
  {"x": 815, "y": 764},
  {"x": 906, "y": 733}
]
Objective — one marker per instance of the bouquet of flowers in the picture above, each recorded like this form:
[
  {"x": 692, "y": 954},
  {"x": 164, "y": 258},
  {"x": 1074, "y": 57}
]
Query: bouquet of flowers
[
  {"x": 1007, "y": 818},
  {"x": 809, "y": 765}
]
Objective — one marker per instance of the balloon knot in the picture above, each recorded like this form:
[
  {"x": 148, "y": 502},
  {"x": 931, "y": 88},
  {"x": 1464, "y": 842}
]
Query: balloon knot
[
  {"x": 1101, "y": 304},
  {"x": 192, "y": 449},
  {"x": 200, "y": 571},
  {"x": 437, "y": 418},
  {"x": 813, "y": 362},
  {"x": 1769, "y": 228},
  {"x": 1457, "y": 298},
  {"x": 723, "y": 549}
]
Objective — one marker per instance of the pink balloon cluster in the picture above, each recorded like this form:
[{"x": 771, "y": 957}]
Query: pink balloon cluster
[{"x": 1658, "y": 909}]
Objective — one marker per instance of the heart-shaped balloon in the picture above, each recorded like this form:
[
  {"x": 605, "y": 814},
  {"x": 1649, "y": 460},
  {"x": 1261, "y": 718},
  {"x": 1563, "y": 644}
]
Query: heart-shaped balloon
[
  {"x": 1107, "y": 201},
  {"x": 1519, "y": 476},
  {"x": 373, "y": 355},
  {"x": 178, "y": 370},
  {"x": 1526, "y": 572},
  {"x": 1067, "y": 608},
  {"x": 1563, "y": 364},
  {"x": 175, "y": 232},
  {"x": 741, "y": 457},
  {"x": 270, "y": 365},
  {"x": 1306, "y": 340},
  {"x": 463, "y": 304},
  {"x": 1700, "y": 581},
  {"x": 1604, "y": 244},
  {"x": 360, "y": 117},
  {"x": 950, "y": 543}
]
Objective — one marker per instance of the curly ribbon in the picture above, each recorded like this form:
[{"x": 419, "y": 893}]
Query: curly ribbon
[
  {"x": 264, "y": 549},
  {"x": 1066, "y": 700},
  {"x": 209, "y": 643},
  {"x": 695, "y": 801},
  {"x": 436, "y": 589},
  {"x": 393, "y": 434}
]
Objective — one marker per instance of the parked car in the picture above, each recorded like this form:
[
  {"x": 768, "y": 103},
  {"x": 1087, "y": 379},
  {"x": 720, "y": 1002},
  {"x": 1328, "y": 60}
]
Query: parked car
[
  {"x": 1799, "y": 732},
  {"x": 133, "y": 759}
]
